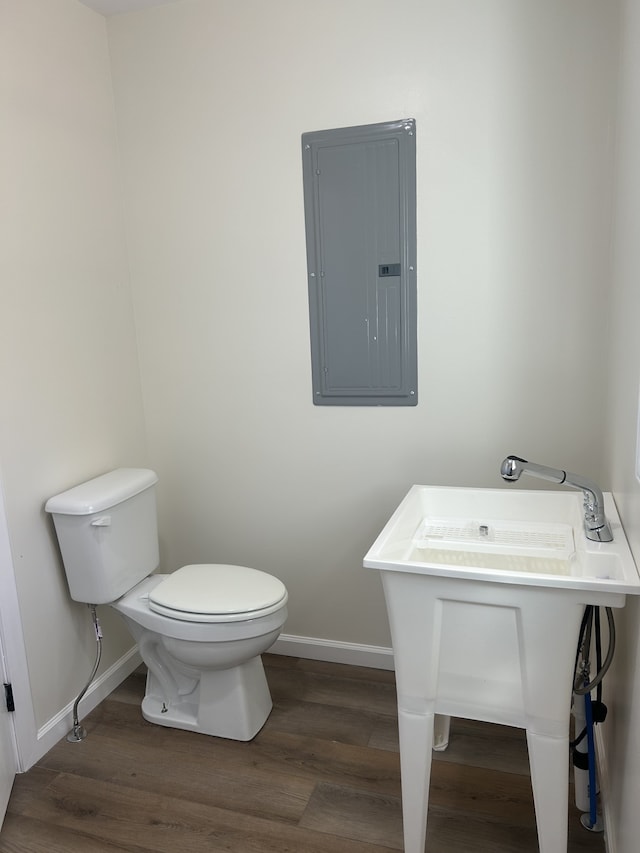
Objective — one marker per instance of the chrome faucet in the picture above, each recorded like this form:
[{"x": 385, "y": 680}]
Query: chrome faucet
[{"x": 596, "y": 526}]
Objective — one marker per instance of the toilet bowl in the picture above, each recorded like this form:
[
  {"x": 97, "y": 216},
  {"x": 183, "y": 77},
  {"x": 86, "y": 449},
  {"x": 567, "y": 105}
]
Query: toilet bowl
[
  {"x": 205, "y": 676},
  {"x": 200, "y": 630}
]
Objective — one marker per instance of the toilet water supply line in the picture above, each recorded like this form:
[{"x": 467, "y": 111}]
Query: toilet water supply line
[
  {"x": 78, "y": 732},
  {"x": 588, "y": 712}
]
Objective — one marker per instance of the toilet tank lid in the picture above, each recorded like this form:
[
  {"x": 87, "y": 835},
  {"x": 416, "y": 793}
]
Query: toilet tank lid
[{"x": 102, "y": 492}]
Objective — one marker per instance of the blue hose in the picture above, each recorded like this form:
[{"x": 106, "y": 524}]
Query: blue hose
[{"x": 591, "y": 751}]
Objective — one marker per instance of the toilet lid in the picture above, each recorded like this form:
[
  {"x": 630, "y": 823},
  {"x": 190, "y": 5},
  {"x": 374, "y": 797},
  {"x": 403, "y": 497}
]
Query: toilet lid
[{"x": 217, "y": 593}]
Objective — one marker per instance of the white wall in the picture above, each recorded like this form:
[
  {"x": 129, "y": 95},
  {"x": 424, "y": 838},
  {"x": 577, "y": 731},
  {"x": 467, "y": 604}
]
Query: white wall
[
  {"x": 71, "y": 402},
  {"x": 513, "y": 102},
  {"x": 622, "y": 733}
]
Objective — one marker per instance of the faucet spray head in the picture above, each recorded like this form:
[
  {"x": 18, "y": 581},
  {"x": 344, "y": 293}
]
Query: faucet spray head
[{"x": 512, "y": 467}]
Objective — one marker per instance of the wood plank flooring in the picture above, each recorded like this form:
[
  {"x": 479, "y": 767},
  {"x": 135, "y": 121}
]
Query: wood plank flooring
[{"x": 323, "y": 776}]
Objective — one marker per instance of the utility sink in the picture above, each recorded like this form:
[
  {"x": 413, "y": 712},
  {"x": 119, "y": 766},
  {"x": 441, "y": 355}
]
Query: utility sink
[
  {"x": 485, "y": 592},
  {"x": 504, "y": 536}
]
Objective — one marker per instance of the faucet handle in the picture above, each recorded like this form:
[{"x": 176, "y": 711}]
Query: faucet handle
[{"x": 599, "y": 534}]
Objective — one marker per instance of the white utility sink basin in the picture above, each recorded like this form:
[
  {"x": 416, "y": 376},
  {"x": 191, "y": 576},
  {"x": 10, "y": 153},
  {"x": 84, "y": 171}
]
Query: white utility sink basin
[
  {"x": 485, "y": 592},
  {"x": 504, "y": 536}
]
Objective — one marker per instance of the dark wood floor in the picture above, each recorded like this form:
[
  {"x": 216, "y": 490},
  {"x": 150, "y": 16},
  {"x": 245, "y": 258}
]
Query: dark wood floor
[{"x": 322, "y": 776}]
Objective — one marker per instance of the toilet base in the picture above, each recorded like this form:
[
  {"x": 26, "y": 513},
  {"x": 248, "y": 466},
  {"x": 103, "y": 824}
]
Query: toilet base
[{"x": 230, "y": 703}]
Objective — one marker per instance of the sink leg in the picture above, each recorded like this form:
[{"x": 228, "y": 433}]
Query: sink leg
[
  {"x": 416, "y": 743},
  {"x": 547, "y": 672},
  {"x": 548, "y": 759},
  {"x": 441, "y": 729}
]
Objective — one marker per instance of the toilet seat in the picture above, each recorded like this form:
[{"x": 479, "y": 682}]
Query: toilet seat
[{"x": 217, "y": 593}]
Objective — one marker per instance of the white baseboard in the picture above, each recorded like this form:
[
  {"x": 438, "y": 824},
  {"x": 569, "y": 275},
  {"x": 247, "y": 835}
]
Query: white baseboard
[
  {"x": 355, "y": 654},
  {"x": 62, "y": 723}
]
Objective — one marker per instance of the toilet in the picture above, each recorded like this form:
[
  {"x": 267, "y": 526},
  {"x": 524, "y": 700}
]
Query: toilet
[{"x": 200, "y": 630}]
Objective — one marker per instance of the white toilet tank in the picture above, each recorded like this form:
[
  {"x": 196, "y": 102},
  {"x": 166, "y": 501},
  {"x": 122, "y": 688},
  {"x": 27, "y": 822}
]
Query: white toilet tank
[{"x": 108, "y": 533}]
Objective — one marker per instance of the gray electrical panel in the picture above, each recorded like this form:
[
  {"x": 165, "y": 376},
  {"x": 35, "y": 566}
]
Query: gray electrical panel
[{"x": 360, "y": 215}]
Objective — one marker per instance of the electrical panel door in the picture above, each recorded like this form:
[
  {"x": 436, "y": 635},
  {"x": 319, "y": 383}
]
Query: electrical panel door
[{"x": 360, "y": 214}]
